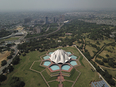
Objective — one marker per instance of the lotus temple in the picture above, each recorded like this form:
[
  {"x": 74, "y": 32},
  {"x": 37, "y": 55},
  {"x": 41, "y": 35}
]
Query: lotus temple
[
  {"x": 62, "y": 65},
  {"x": 60, "y": 60}
]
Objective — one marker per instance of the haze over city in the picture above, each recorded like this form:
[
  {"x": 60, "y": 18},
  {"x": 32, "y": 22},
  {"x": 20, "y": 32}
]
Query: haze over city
[
  {"x": 58, "y": 43},
  {"x": 54, "y": 5}
]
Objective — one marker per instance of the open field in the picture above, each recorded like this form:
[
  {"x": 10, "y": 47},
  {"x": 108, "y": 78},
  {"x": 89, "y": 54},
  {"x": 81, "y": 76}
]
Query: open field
[
  {"x": 31, "y": 79},
  {"x": 87, "y": 75},
  {"x": 73, "y": 75},
  {"x": 67, "y": 84},
  {"x": 4, "y": 55},
  {"x": 34, "y": 79},
  {"x": 37, "y": 67},
  {"x": 10, "y": 39},
  {"x": 91, "y": 49},
  {"x": 53, "y": 84}
]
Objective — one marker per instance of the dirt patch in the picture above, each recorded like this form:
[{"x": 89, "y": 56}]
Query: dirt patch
[{"x": 4, "y": 55}]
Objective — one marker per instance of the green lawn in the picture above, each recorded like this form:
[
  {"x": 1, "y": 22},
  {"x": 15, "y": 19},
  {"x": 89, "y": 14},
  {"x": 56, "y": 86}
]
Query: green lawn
[
  {"x": 81, "y": 58},
  {"x": 34, "y": 79},
  {"x": 31, "y": 79},
  {"x": 53, "y": 84},
  {"x": 36, "y": 66},
  {"x": 87, "y": 75},
  {"x": 10, "y": 39},
  {"x": 48, "y": 77},
  {"x": 67, "y": 84},
  {"x": 73, "y": 75}
]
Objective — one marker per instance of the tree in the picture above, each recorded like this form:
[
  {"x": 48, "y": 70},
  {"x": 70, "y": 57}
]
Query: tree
[
  {"x": 110, "y": 62},
  {"x": 107, "y": 55},
  {"x": 97, "y": 43},
  {"x": 16, "y": 82},
  {"x": 9, "y": 57},
  {"x": 4, "y": 62},
  {"x": 16, "y": 60},
  {"x": 2, "y": 78},
  {"x": 105, "y": 60}
]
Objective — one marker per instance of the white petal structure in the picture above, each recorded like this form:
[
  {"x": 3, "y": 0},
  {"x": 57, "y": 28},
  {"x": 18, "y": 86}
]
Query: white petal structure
[{"x": 60, "y": 56}]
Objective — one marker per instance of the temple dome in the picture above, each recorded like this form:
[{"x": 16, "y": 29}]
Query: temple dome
[{"x": 60, "y": 56}]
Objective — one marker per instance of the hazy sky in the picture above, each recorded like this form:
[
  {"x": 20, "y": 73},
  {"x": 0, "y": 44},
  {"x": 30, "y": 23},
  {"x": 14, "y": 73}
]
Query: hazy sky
[{"x": 12, "y": 5}]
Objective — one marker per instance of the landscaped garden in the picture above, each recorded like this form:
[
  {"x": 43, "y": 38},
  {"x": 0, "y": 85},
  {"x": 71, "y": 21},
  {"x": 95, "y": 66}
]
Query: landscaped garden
[{"x": 38, "y": 75}]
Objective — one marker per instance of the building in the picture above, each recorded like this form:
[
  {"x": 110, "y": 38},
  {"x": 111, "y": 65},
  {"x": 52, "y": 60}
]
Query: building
[
  {"x": 60, "y": 56},
  {"x": 55, "y": 20},
  {"x": 37, "y": 30},
  {"x": 47, "y": 20}
]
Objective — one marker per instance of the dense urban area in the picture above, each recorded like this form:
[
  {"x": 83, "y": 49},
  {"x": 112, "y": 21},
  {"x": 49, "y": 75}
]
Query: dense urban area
[{"x": 26, "y": 36}]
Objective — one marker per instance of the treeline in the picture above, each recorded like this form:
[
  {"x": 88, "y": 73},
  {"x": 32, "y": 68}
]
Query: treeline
[
  {"x": 4, "y": 33},
  {"x": 105, "y": 74},
  {"x": 15, "y": 81},
  {"x": 44, "y": 44}
]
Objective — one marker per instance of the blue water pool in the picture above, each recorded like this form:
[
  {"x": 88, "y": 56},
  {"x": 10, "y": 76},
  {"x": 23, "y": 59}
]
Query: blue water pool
[
  {"x": 65, "y": 67},
  {"x": 73, "y": 63},
  {"x": 69, "y": 53},
  {"x": 55, "y": 67},
  {"x": 46, "y": 57},
  {"x": 47, "y": 63},
  {"x": 50, "y": 53},
  {"x": 73, "y": 57}
]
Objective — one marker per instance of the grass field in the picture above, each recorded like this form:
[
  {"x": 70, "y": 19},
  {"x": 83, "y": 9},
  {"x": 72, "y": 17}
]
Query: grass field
[
  {"x": 73, "y": 75},
  {"x": 10, "y": 39},
  {"x": 48, "y": 77},
  {"x": 67, "y": 84},
  {"x": 91, "y": 49},
  {"x": 34, "y": 79},
  {"x": 87, "y": 75},
  {"x": 31, "y": 79},
  {"x": 53, "y": 84},
  {"x": 37, "y": 67}
]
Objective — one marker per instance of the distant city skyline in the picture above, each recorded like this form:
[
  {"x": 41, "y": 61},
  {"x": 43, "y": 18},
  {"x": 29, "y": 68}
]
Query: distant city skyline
[{"x": 56, "y": 5}]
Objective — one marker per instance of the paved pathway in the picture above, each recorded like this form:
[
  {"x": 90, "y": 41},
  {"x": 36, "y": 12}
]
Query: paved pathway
[{"x": 39, "y": 73}]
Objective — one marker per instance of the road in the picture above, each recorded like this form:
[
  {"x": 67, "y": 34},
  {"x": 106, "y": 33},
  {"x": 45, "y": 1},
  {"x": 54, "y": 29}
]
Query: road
[
  {"x": 47, "y": 34},
  {"x": 9, "y": 60},
  {"x": 16, "y": 51},
  {"x": 22, "y": 38}
]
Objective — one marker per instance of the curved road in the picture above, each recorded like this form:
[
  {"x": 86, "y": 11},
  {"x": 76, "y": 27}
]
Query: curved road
[
  {"x": 9, "y": 60},
  {"x": 47, "y": 34},
  {"x": 16, "y": 50}
]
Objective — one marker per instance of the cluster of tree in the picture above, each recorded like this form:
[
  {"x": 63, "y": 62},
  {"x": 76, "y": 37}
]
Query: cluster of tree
[
  {"x": 4, "y": 33},
  {"x": 9, "y": 45},
  {"x": 110, "y": 62},
  {"x": 100, "y": 62},
  {"x": 16, "y": 82},
  {"x": 8, "y": 69},
  {"x": 43, "y": 44},
  {"x": 99, "y": 34},
  {"x": 9, "y": 57},
  {"x": 11, "y": 54},
  {"x": 15, "y": 60},
  {"x": 2, "y": 77},
  {"x": 4, "y": 62},
  {"x": 95, "y": 46},
  {"x": 87, "y": 54},
  {"x": 6, "y": 47}
]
